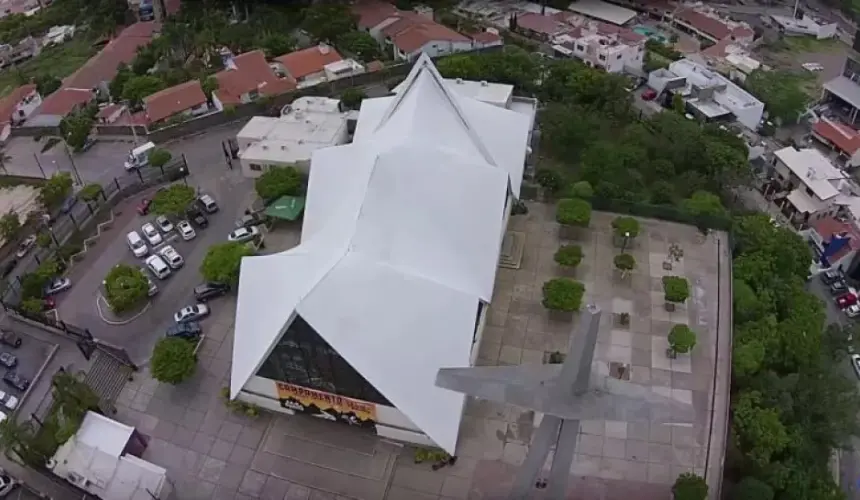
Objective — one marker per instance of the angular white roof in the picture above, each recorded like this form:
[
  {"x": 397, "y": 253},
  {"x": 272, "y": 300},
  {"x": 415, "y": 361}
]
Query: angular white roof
[{"x": 400, "y": 243}]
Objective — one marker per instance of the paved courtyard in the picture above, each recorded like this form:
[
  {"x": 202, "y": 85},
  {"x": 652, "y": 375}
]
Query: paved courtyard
[{"x": 213, "y": 453}]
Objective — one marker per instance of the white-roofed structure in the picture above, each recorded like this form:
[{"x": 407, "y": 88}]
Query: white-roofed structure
[
  {"x": 603, "y": 11},
  {"x": 397, "y": 262}
]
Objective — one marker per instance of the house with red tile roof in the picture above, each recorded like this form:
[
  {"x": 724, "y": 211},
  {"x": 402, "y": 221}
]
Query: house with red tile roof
[
  {"x": 59, "y": 104},
  {"x": 839, "y": 137},
  {"x": 307, "y": 66},
  {"x": 247, "y": 77},
  {"x": 541, "y": 27},
  {"x": 835, "y": 242},
  {"x": 17, "y": 106},
  {"x": 110, "y": 114},
  {"x": 408, "y": 34},
  {"x": 707, "y": 25},
  {"x": 185, "y": 99}
]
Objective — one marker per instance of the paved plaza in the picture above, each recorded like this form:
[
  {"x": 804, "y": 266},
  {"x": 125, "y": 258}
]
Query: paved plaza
[{"x": 213, "y": 453}]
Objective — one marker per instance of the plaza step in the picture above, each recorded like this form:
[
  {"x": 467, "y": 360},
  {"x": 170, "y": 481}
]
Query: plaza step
[{"x": 107, "y": 377}]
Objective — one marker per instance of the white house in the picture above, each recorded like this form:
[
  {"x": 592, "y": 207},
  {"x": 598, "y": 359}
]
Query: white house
[
  {"x": 397, "y": 262},
  {"x": 612, "y": 52},
  {"x": 806, "y": 26}
]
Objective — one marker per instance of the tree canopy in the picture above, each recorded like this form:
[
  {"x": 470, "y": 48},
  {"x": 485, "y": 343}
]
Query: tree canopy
[
  {"x": 325, "y": 21},
  {"x": 56, "y": 190},
  {"x": 125, "y": 287},
  {"x": 173, "y": 200},
  {"x": 138, "y": 87},
  {"x": 359, "y": 43},
  {"x": 279, "y": 181},
  {"x": 222, "y": 262},
  {"x": 10, "y": 225},
  {"x": 781, "y": 92},
  {"x": 173, "y": 360}
]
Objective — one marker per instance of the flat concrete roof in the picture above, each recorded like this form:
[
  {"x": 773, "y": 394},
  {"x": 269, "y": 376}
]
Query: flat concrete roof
[
  {"x": 845, "y": 89},
  {"x": 598, "y": 9}
]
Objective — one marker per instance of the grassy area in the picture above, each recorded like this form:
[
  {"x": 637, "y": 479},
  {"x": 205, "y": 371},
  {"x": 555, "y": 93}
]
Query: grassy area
[
  {"x": 799, "y": 44},
  {"x": 59, "y": 61}
]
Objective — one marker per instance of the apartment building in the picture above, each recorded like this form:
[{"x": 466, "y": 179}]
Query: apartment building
[{"x": 603, "y": 46}]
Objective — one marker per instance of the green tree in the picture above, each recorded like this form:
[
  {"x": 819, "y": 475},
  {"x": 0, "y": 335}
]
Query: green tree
[
  {"x": 704, "y": 204},
  {"x": 325, "y": 22},
  {"x": 55, "y": 190},
  {"x": 173, "y": 360},
  {"x": 44, "y": 240},
  {"x": 573, "y": 212},
  {"x": 10, "y": 225},
  {"x": 758, "y": 431},
  {"x": 91, "y": 192},
  {"x": 626, "y": 227},
  {"x": 676, "y": 288},
  {"x": 751, "y": 488},
  {"x": 681, "y": 339},
  {"x": 17, "y": 438},
  {"x": 159, "y": 157},
  {"x": 173, "y": 200},
  {"x": 76, "y": 129},
  {"x": 678, "y": 104},
  {"x": 47, "y": 85},
  {"x": 781, "y": 91},
  {"x": 747, "y": 358},
  {"x": 125, "y": 287},
  {"x": 690, "y": 486},
  {"x": 562, "y": 294},
  {"x": 351, "y": 98},
  {"x": 552, "y": 180},
  {"x": 276, "y": 44},
  {"x": 624, "y": 262},
  {"x": 223, "y": 261},
  {"x": 138, "y": 87},
  {"x": 582, "y": 189},
  {"x": 209, "y": 85},
  {"x": 33, "y": 306},
  {"x": 360, "y": 44},
  {"x": 73, "y": 394},
  {"x": 279, "y": 181},
  {"x": 568, "y": 255},
  {"x": 123, "y": 75}
]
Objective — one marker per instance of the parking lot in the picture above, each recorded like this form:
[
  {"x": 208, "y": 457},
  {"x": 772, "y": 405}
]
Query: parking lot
[
  {"x": 78, "y": 306},
  {"x": 31, "y": 355}
]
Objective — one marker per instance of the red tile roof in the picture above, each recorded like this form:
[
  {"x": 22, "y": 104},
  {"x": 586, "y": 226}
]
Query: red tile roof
[
  {"x": 10, "y": 102},
  {"x": 251, "y": 72},
  {"x": 374, "y": 66},
  {"x": 485, "y": 37},
  {"x": 108, "y": 111},
  {"x": 302, "y": 63},
  {"x": 102, "y": 67},
  {"x": 169, "y": 102},
  {"x": 840, "y": 135},
  {"x": 537, "y": 23},
  {"x": 63, "y": 101},
  {"x": 624, "y": 34},
  {"x": 827, "y": 227},
  {"x": 371, "y": 14},
  {"x": 704, "y": 23}
]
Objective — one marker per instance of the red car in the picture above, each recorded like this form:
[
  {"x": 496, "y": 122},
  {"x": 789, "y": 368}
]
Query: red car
[
  {"x": 845, "y": 300},
  {"x": 49, "y": 303},
  {"x": 143, "y": 206},
  {"x": 649, "y": 95}
]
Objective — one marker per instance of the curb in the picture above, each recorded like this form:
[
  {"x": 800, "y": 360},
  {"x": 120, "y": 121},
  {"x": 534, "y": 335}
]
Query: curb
[
  {"x": 100, "y": 298},
  {"x": 88, "y": 242}
]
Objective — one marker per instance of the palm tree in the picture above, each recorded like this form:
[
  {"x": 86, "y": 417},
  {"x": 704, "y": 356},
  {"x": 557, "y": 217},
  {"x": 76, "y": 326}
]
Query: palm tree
[{"x": 16, "y": 438}]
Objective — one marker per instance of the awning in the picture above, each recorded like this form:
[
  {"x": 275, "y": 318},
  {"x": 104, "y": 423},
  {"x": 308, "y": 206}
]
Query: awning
[{"x": 286, "y": 207}]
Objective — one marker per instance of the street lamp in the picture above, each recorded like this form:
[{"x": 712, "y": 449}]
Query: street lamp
[
  {"x": 72, "y": 161},
  {"x": 626, "y": 240}
]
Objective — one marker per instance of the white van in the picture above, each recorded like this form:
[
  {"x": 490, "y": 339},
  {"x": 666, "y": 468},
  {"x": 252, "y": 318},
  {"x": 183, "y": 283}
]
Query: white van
[
  {"x": 139, "y": 156},
  {"x": 158, "y": 267},
  {"x": 136, "y": 244}
]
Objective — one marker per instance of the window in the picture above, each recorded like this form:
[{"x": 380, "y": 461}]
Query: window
[
  {"x": 481, "y": 307},
  {"x": 303, "y": 358},
  {"x": 809, "y": 192},
  {"x": 580, "y": 48},
  {"x": 618, "y": 56},
  {"x": 255, "y": 167},
  {"x": 601, "y": 57}
]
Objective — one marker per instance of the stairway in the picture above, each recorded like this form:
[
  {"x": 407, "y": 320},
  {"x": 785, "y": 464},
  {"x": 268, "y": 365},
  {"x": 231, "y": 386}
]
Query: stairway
[{"x": 107, "y": 377}]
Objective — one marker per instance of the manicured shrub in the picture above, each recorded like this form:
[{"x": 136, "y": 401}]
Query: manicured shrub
[
  {"x": 173, "y": 360},
  {"x": 573, "y": 212},
  {"x": 677, "y": 289},
  {"x": 562, "y": 294},
  {"x": 626, "y": 227},
  {"x": 625, "y": 262},
  {"x": 682, "y": 339},
  {"x": 568, "y": 255}
]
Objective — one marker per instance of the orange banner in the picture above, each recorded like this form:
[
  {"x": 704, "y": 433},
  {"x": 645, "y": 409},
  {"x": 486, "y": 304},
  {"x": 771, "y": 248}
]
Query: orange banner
[{"x": 326, "y": 405}]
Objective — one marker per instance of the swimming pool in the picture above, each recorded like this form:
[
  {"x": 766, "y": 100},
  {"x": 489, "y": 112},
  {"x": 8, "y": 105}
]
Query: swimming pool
[{"x": 651, "y": 33}]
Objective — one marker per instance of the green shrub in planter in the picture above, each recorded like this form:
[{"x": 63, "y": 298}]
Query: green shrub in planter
[
  {"x": 550, "y": 179},
  {"x": 626, "y": 226},
  {"x": 173, "y": 360},
  {"x": 689, "y": 486},
  {"x": 676, "y": 289},
  {"x": 681, "y": 339},
  {"x": 573, "y": 212},
  {"x": 625, "y": 262},
  {"x": 568, "y": 255},
  {"x": 562, "y": 294},
  {"x": 581, "y": 189}
]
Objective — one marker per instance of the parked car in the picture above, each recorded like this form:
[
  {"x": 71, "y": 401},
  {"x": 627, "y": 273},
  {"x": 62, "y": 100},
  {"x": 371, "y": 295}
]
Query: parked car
[
  {"x": 244, "y": 234},
  {"x": 838, "y": 288},
  {"x": 195, "y": 215},
  {"x": 153, "y": 288},
  {"x": 249, "y": 220},
  {"x": 8, "y": 360},
  {"x": 852, "y": 311},
  {"x": 185, "y": 230},
  {"x": 25, "y": 246},
  {"x": 143, "y": 206},
  {"x": 191, "y": 313},
  {"x": 829, "y": 277},
  {"x": 845, "y": 300},
  {"x": 210, "y": 290},
  {"x": 207, "y": 203},
  {"x": 68, "y": 204},
  {"x": 172, "y": 257},
  {"x": 151, "y": 234},
  {"x": 11, "y": 339},
  {"x": 164, "y": 224},
  {"x": 649, "y": 95},
  {"x": 189, "y": 330},
  {"x": 90, "y": 142},
  {"x": 49, "y": 303},
  {"x": 855, "y": 363},
  {"x": 57, "y": 285},
  {"x": 8, "y": 267},
  {"x": 7, "y": 483},
  {"x": 13, "y": 379},
  {"x": 8, "y": 400}
]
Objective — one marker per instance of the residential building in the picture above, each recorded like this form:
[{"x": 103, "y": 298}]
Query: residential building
[
  {"x": 834, "y": 242},
  {"x": 810, "y": 185},
  {"x": 98, "y": 72},
  {"x": 103, "y": 458},
  {"x": 707, "y": 24},
  {"x": 185, "y": 99},
  {"x": 840, "y": 138},
  {"x": 344, "y": 68},
  {"x": 603, "y": 46},
  {"x": 56, "y": 106},
  {"x": 602, "y": 11},
  {"x": 110, "y": 114},
  {"x": 729, "y": 57},
  {"x": 16, "y": 107},
  {"x": 843, "y": 92},
  {"x": 396, "y": 267},
  {"x": 484, "y": 39},
  {"x": 307, "y": 66},
  {"x": 23, "y": 50},
  {"x": 406, "y": 35},
  {"x": 538, "y": 26},
  {"x": 807, "y": 25},
  {"x": 247, "y": 77},
  {"x": 308, "y": 124}
]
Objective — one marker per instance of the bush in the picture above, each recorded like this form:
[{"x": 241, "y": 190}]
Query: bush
[
  {"x": 677, "y": 289},
  {"x": 44, "y": 239},
  {"x": 568, "y": 255},
  {"x": 351, "y": 98},
  {"x": 90, "y": 192},
  {"x": 625, "y": 262},
  {"x": 682, "y": 339},
  {"x": 582, "y": 189},
  {"x": 550, "y": 179},
  {"x": 626, "y": 227},
  {"x": 173, "y": 200},
  {"x": 562, "y": 294},
  {"x": 66, "y": 251},
  {"x": 279, "y": 181},
  {"x": 173, "y": 360},
  {"x": 125, "y": 287},
  {"x": 10, "y": 225},
  {"x": 223, "y": 261},
  {"x": 56, "y": 190},
  {"x": 689, "y": 486},
  {"x": 573, "y": 212},
  {"x": 33, "y": 305}
]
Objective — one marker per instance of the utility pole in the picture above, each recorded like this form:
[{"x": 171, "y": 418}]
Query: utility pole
[
  {"x": 36, "y": 156},
  {"x": 72, "y": 161}
]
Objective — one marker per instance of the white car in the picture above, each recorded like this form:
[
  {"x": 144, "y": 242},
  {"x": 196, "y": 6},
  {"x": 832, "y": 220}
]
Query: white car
[
  {"x": 151, "y": 234},
  {"x": 191, "y": 313},
  {"x": 853, "y": 310},
  {"x": 815, "y": 67},
  {"x": 25, "y": 246},
  {"x": 8, "y": 400},
  {"x": 185, "y": 230},
  {"x": 153, "y": 288},
  {"x": 171, "y": 256},
  {"x": 164, "y": 224},
  {"x": 57, "y": 285},
  {"x": 855, "y": 363},
  {"x": 7, "y": 483},
  {"x": 244, "y": 234}
]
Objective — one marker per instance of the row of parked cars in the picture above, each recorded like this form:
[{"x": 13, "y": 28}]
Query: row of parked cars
[{"x": 844, "y": 295}]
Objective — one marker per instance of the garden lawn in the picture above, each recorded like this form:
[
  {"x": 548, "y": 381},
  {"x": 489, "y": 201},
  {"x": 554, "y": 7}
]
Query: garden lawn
[{"x": 59, "y": 61}]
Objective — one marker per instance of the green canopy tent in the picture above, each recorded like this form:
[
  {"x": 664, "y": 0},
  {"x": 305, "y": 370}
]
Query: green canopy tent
[{"x": 286, "y": 207}]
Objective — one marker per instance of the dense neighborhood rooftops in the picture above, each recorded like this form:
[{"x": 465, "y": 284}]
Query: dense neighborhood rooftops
[
  {"x": 709, "y": 23},
  {"x": 408, "y": 31},
  {"x": 246, "y": 73},
  {"x": 813, "y": 169},
  {"x": 302, "y": 63},
  {"x": 373, "y": 13},
  {"x": 9, "y": 103},
  {"x": 62, "y": 102},
  {"x": 173, "y": 100},
  {"x": 840, "y": 135},
  {"x": 538, "y": 23},
  {"x": 404, "y": 222},
  {"x": 103, "y": 66}
]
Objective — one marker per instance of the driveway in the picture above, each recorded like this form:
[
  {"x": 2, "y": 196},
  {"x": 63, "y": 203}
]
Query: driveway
[{"x": 233, "y": 194}]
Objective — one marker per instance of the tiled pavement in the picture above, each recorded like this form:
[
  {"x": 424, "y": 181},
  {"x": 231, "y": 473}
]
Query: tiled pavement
[{"x": 212, "y": 453}]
